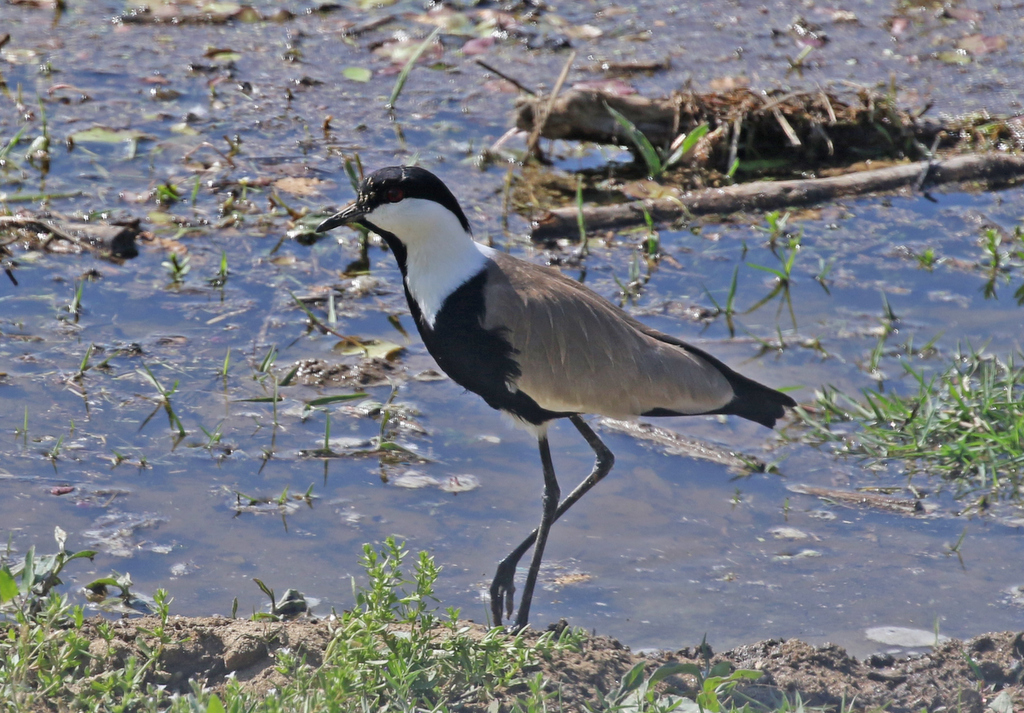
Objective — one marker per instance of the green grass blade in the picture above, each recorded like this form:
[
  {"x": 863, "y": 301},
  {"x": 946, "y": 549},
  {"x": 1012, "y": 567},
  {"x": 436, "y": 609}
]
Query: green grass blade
[
  {"x": 646, "y": 149},
  {"x": 687, "y": 145},
  {"x": 404, "y": 74}
]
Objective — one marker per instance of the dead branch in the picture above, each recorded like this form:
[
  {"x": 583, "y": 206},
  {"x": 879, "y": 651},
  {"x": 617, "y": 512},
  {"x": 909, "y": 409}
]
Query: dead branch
[
  {"x": 765, "y": 196},
  {"x": 113, "y": 240}
]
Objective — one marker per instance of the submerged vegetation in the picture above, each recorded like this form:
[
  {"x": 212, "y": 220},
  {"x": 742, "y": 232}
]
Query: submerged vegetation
[{"x": 965, "y": 424}]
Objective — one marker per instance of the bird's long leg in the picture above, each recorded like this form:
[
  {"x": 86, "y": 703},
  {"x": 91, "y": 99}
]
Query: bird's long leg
[
  {"x": 550, "y": 505},
  {"x": 502, "y": 588}
]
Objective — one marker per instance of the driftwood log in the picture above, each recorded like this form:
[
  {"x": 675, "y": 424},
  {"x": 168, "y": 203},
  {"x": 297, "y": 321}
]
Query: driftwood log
[
  {"x": 774, "y": 195},
  {"x": 114, "y": 240}
]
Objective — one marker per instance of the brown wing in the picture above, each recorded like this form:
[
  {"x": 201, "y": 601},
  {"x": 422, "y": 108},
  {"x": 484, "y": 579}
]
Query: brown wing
[{"x": 579, "y": 353}]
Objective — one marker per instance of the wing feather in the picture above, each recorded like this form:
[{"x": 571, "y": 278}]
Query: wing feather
[{"x": 579, "y": 353}]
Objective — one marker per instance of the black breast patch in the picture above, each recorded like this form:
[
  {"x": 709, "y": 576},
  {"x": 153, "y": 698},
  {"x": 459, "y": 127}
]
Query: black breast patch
[{"x": 480, "y": 360}]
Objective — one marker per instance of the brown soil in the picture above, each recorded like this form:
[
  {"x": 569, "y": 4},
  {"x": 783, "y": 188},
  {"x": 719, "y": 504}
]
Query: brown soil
[{"x": 957, "y": 675}]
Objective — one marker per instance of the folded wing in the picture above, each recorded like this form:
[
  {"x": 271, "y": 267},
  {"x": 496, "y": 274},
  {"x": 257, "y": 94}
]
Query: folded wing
[{"x": 579, "y": 353}]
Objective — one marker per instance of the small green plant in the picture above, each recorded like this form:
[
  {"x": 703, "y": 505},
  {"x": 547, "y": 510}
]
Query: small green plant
[
  {"x": 926, "y": 259},
  {"x": 630, "y": 289},
  {"x": 797, "y": 63},
  {"x": 784, "y": 273},
  {"x": 777, "y": 224},
  {"x": 162, "y": 608},
  {"x": 354, "y": 171},
  {"x": 889, "y": 322},
  {"x": 733, "y": 167},
  {"x": 282, "y": 504},
  {"x": 267, "y": 361},
  {"x": 164, "y": 400},
  {"x": 221, "y": 278},
  {"x": 75, "y": 306},
  {"x": 652, "y": 240},
  {"x": 656, "y": 163},
  {"x": 167, "y": 194},
  {"x": 291, "y": 604},
  {"x": 729, "y": 310},
  {"x": 54, "y": 453},
  {"x": 38, "y": 153},
  {"x": 5, "y": 151},
  {"x": 23, "y": 431},
  {"x": 177, "y": 267},
  {"x": 212, "y": 438},
  {"x": 32, "y": 578},
  {"x": 954, "y": 549},
  {"x": 824, "y": 269},
  {"x": 713, "y": 691}
]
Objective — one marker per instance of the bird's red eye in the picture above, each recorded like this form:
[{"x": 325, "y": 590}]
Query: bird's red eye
[{"x": 394, "y": 195}]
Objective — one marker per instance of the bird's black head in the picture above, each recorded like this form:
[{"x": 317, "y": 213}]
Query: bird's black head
[{"x": 393, "y": 185}]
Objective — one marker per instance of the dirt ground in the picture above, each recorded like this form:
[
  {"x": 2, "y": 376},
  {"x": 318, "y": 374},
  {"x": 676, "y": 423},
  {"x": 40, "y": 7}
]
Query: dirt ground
[{"x": 966, "y": 676}]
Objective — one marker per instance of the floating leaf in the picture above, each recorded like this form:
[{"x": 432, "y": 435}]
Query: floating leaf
[
  {"x": 222, "y": 54},
  {"x": 299, "y": 185},
  {"x": 104, "y": 135},
  {"x": 221, "y": 8},
  {"x": 452, "y": 22},
  {"x": 954, "y": 57},
  {"x": 371, "y": 349},
  {"x": 583, "y": 32},
  {"x": 184, "y": 129},
  {"x": 334, "y": 399},
  {"x": 357, "y": 74},
  {"x": 982, "y": 44}
]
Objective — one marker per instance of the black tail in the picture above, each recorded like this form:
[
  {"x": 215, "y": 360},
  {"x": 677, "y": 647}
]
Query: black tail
[{"x": 752, "y": 401}]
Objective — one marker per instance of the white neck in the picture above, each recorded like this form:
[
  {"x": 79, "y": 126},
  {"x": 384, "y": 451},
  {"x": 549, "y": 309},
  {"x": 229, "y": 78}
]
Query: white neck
[{"x": 440, "y": 254}]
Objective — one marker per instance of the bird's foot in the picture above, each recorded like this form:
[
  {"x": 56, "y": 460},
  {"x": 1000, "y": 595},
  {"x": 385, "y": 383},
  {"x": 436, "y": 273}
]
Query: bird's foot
[{"x": 503, "y": 593}]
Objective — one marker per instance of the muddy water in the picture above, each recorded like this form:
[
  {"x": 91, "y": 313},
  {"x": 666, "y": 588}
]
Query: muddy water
[{"x": 668, "y": 547}]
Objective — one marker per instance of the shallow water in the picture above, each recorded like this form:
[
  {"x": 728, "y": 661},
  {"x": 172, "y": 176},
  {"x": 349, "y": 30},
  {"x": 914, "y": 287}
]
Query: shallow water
[{"x": 670, "y": 547}]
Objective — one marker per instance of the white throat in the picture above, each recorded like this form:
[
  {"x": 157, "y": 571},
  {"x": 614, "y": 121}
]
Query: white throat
[{"x": 440, "y": 254}]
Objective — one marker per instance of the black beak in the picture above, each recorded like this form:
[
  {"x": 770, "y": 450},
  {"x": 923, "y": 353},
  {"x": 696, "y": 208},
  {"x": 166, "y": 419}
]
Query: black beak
[{"x": 351, "y": 214}]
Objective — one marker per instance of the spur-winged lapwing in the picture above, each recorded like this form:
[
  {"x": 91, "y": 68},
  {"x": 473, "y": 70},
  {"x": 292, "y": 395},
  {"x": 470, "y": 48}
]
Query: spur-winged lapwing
[{"x": 536, "y": 344}]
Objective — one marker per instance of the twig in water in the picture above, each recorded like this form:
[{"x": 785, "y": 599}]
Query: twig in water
[
  {"x": 507, "y": 78},
  {"x": 540, "y": 121}
]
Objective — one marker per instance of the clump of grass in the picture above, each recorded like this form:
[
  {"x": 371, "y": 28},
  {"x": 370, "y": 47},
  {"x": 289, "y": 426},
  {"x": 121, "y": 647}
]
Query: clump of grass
[
  {"x": 164, "y": 400},
  {"x": 658, "y": 162},
  {"x": 714, "y": 688},
  {"x": 965, "y": 424},
  {"x": 391, "y": 652},
  {"x": 392, "y": 647}
]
